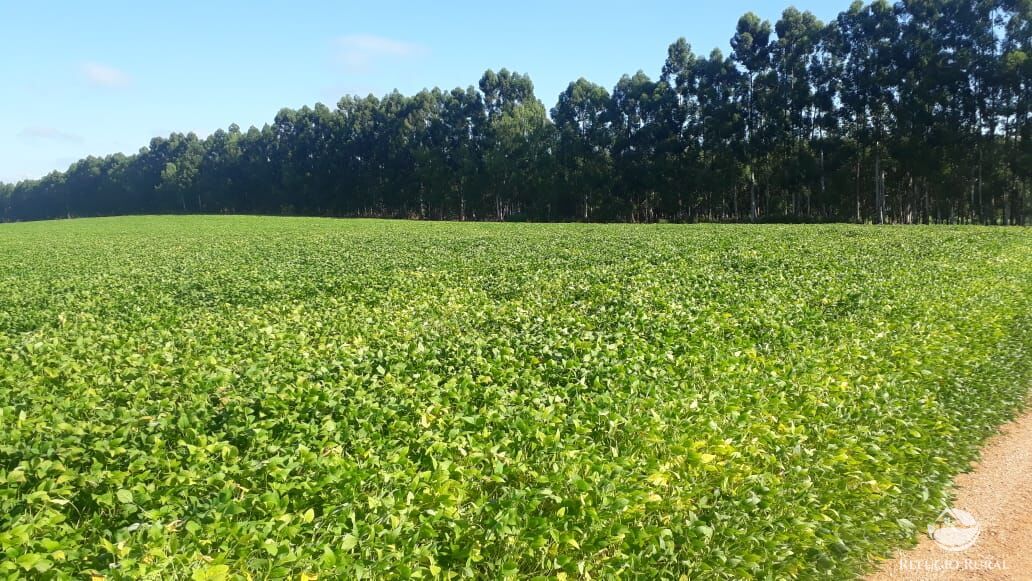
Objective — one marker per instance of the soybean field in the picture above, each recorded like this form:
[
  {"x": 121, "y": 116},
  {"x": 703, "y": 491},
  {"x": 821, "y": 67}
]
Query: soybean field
[{"x": 227, "y": 397}]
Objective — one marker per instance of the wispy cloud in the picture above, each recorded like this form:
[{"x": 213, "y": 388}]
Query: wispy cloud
[
  {"x": 42, "y": 133},
  {"x": 104, "y": 75},
  {"x": 359, "y": 52}
]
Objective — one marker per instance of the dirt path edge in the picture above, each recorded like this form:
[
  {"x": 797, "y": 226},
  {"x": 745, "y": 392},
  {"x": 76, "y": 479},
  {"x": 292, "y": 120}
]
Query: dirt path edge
[{"x": 998, "y": 493}]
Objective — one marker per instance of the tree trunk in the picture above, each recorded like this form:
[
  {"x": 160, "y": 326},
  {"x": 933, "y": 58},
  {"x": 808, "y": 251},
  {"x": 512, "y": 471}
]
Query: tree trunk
[
  {"x": 734, "y": 202},
  {"x": 981, "y": 202},
  {"x": 859, "y": 218},
  {"x": 753, "y": 213},
  {"x": 879, "y": 188}
]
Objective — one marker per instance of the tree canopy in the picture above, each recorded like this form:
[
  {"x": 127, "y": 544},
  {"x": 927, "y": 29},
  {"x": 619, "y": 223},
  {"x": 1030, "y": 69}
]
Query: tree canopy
[{"x": 917, "y": 111}]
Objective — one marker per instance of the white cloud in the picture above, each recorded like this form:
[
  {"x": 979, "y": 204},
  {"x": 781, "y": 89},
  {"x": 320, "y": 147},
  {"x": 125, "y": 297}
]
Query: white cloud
[
  {"x": 42, "y": 133},
  {"x": 103, "y": 75},
  {"x": 359, "y": 52}
]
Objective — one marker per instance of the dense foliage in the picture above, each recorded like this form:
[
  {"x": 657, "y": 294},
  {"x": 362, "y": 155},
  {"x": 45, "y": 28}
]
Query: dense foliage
[
  {"x": 914, "y": 112},
  {"x": 203, "y": 396}
]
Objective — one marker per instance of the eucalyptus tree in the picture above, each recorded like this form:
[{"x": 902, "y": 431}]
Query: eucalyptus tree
[
  {"x": 583, "y": 150},
  {"x": 182, "y": 156},
  {"x": 465, "y": 121},
  {"x": 517, "y": 140},
  {"x": 5, "y": 200},
  {"x": 974, "y": 38},
  {"x": 676, "y": 133},
  {"x": 826, "y": 83},
  {"x": 258, "y": 165},
  {"x": 505, "y": 90},
  {"x": 868, "y": 36},
  {"x": 518, "y": 150},
  {"x": 217, "y": 178},
  {"x": 751, "y": 52},
  {"x": 793, "y": 113},
  {"x": 1016, "y": 111},
  {"x": 354, "y": 151},
  {"x": 721, "y": 132},
  {"x": 633, "y": 112}
]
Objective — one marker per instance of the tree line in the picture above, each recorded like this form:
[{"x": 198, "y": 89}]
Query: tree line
[{"x": 911, "y": 112}]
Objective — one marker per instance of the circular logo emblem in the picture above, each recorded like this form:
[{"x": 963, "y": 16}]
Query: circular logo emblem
[{"x": 955, "y": 530}]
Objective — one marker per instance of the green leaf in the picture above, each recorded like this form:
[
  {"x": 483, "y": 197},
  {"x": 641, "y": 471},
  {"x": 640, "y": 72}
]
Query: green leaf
[
  {"x": 211, "y": 573},
  {"x": 29, "y": 560},
  {"x": 348, "y": 542}
]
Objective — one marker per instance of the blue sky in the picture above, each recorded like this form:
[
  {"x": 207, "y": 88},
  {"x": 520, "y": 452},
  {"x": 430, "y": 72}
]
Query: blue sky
[{"x": 82, "y": 78}]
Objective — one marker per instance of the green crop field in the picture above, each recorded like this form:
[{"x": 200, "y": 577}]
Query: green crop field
[{"x": 274, "y": 397}]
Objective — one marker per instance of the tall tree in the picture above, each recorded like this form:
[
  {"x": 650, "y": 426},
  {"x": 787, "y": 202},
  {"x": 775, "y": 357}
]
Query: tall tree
[
  {"x": 633, "y": 111},
  {"x": 751, "y": 51},
  {"x": 583, "y": 150}
]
